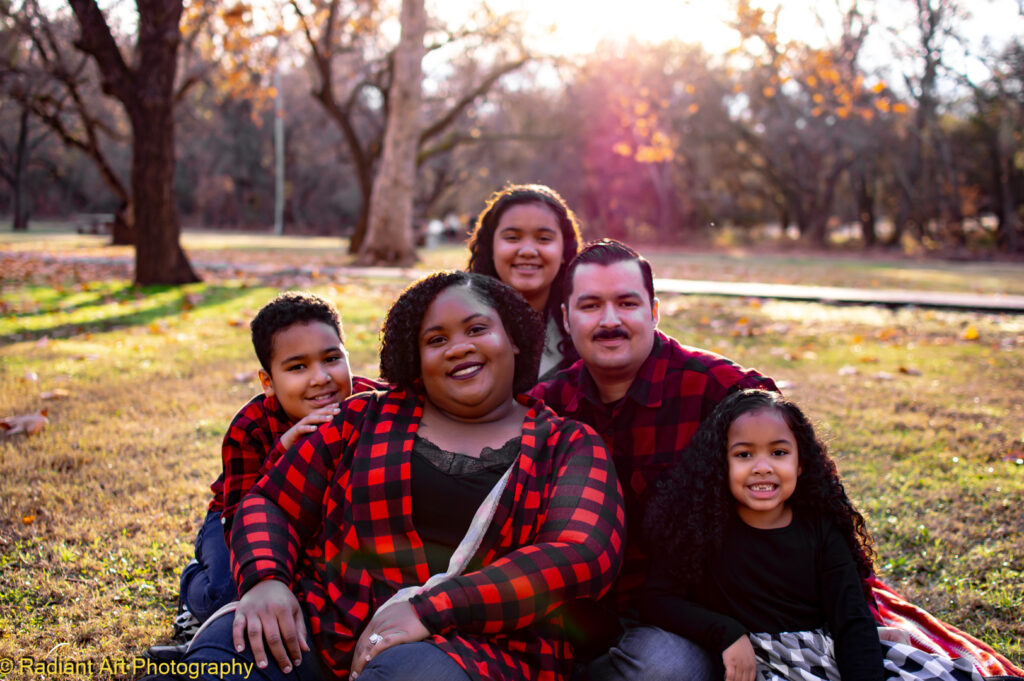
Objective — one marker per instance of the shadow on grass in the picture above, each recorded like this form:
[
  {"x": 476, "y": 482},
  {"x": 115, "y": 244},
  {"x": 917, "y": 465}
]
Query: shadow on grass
[{"x": 173, "y": 301}]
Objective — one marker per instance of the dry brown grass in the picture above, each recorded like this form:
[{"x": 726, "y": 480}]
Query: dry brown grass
[{"x": 98, "y": 511}]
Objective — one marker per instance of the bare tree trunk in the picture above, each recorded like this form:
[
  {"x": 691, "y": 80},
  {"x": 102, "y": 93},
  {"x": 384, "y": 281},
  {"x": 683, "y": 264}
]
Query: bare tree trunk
[
  {"x": 389, "y": 238},
  {"x": 20, "y": 218},
  {"x": 146, "y": 89},
  {"x": 865, "y": 200},
  {"x": 363, "y": 221},
  {"x": 159, "y": 258},
  {"x": 1008, "y": 231},
  {"x": 123, "y": 231}
]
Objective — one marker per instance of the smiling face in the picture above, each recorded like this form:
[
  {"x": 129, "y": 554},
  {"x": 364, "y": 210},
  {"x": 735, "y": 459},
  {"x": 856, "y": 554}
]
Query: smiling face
[
  {"x": 528, "y": 248},
  {"x": 763, "y": 467},
  {"x": 308, "y": 369},
  {"x": 467, "y": 362},
  {"x": 611, "y": 320}
]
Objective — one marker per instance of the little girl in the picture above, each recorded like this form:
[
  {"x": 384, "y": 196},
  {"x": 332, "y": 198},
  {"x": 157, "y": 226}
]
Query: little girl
[{"x": 760, "y": 555}]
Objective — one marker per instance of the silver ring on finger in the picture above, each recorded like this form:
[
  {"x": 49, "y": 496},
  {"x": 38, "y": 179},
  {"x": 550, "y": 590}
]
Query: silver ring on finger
[{"x": 375, "y": 638}]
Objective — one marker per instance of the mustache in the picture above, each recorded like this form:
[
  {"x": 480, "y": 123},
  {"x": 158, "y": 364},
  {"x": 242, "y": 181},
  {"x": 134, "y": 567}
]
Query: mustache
[{"x": 609, "y": 334}]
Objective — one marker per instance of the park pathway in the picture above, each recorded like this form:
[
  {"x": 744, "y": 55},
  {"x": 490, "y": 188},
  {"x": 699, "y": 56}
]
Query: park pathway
[
  {"x": 974, "y": 302},
  {"x": 949, "y": 300}
]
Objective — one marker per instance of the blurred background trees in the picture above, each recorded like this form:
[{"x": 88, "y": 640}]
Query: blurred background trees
[{"x": 887, "y": 125}]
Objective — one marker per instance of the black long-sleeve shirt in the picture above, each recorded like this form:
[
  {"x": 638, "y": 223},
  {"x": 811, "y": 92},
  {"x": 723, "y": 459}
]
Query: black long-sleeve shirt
[{"x": 797, "y": 578}]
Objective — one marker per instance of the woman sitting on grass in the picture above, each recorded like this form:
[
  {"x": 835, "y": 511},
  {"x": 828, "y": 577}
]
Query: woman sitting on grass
[
  {"x": 763, "y": 556},
  {"x": 525, "y": 236},
  {"x": 335, "y": 547}
]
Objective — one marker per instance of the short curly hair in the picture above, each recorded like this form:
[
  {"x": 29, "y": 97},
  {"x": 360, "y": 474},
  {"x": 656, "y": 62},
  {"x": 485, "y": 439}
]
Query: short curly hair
[
  {"x": 481, "y": 243},
  {"x": 286, "y": 309},
  {"x": 400, "y": 353},
  {"x": 687, "y": 516}
]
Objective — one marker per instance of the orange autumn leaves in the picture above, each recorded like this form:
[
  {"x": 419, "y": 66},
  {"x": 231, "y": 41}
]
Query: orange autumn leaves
[{"x": 644, "y": 138}]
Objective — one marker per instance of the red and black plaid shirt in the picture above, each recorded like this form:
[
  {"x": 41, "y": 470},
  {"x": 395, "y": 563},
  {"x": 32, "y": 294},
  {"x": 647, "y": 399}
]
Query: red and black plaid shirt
[
  {"x": 252, "y": 445},
  {"x": 647, "y": 430},
  {"x": 333, "y": 519}
]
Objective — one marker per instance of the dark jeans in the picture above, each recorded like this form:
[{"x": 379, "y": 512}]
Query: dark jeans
[
  {"x": 420, "y": 661},
  {"x": 207, "y": 584},
  {"x": 646, "y": 653},
  {"x": 213, "y": 657}
]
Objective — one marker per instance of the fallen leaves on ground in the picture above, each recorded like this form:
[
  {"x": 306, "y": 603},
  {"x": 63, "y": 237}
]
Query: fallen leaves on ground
[
  {"x": 29, "y": 424},
  {"x": 55, "y": 394}
]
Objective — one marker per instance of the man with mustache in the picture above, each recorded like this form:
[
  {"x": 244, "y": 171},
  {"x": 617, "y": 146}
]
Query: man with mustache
[{"x": 645, "y": 394}]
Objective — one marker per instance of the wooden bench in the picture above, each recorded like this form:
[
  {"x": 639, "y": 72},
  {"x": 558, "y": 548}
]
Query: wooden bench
[{"x": 93, "y": 223}]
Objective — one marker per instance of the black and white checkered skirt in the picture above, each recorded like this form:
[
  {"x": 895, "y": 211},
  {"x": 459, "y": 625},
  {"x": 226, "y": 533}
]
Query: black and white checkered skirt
[{"x": 810, "y": 656}]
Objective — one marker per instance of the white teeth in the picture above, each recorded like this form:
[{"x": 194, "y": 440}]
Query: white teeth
[
  {"x": 763, "y": 488},
  {"x": 467, "y": 370}
]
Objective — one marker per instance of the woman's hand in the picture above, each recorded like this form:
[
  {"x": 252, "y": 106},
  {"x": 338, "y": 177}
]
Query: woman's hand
[
  {"x": 270, "y": 611},
  {"x": 395, "y": 624},
  {"x": 739, "y": 660}
]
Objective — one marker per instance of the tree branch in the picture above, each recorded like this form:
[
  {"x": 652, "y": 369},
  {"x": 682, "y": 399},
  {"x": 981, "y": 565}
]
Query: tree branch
[{"x": 449, "y": 117}]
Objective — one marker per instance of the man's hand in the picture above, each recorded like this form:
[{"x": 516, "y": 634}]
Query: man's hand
[
  {"x": 739, "y": 660},
  {"x": 395, "y": 624},
  {"x": 270, "y": 611},
  {"x": 308, "y": 424}
]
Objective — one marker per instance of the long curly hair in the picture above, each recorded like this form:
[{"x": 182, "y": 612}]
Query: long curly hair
[
  {"x": 687, "y": 516},
  {"x": 481, "y": 244},
  {"x": 400, "y": 353}
]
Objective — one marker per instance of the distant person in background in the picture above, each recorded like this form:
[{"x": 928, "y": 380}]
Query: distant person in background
[{"x": 525, "y": 236}]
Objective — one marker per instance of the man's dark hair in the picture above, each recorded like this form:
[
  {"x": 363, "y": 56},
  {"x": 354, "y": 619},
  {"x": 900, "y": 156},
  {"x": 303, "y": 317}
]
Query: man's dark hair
[
  {"x": 400, "y": 353},
  {"x": 608, "y": 252},
  {"x": 286, "y": 309}
]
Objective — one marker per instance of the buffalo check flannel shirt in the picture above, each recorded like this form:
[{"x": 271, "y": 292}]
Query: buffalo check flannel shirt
[
  {"x": 252, "y": 445},
  {"x": 646, "y": 431},
  {"x": 333, "y": 519}
]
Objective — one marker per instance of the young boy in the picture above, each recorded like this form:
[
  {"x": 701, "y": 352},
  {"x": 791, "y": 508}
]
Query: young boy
[{"x": 305, "y": 374}]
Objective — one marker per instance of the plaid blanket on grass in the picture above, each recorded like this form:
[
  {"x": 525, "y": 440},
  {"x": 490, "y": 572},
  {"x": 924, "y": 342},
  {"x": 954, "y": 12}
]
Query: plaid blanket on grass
[
  {"x": 809, "y": 656},
  {"x": 928, "y": 633}
]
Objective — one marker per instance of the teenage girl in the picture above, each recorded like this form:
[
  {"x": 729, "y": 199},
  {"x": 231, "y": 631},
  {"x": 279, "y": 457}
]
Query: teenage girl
[
  {"x": 525, "y": 236},
  {"x": 760, "y": 555}
]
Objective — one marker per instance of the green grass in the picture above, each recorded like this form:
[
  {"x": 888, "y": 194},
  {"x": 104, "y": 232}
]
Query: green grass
[{"x": 923, "y": 410}]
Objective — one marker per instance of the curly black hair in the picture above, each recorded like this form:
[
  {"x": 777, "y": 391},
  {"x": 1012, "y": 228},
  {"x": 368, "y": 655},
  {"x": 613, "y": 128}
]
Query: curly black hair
[
  {"x": 290, "y": 307},
  {"x": 686, "y": 518},
  {"x": 481, "y": 245},
  {"x": 399, "y": 351}
]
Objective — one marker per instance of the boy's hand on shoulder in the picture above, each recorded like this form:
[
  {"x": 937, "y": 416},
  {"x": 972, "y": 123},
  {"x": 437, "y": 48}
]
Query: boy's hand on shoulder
[
  {"x": 740, "y": 663},
  {"x": 309, "y": 424}
]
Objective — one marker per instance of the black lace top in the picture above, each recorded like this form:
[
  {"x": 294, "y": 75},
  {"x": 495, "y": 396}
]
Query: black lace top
[{"x": 447, "y": 489}]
